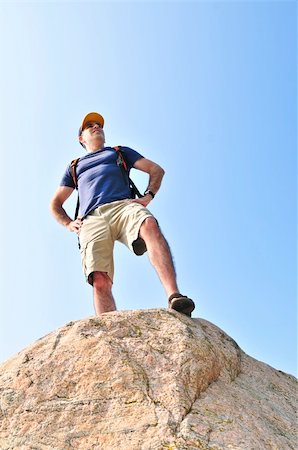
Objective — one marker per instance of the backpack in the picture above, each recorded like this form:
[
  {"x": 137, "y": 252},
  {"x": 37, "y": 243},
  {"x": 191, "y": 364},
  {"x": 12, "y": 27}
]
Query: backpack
[{"x": 123, "y": 166}]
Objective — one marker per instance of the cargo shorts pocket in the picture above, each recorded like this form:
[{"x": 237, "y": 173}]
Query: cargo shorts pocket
[{"x": 97, "y": 256}]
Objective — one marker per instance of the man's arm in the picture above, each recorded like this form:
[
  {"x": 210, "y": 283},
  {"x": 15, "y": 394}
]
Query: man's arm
[
  {"x": 56, "y": 208},
  {"x": 155, "y": 173}
]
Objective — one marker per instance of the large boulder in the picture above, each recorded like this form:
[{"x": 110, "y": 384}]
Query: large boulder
[{"x": 140, "y": 380}]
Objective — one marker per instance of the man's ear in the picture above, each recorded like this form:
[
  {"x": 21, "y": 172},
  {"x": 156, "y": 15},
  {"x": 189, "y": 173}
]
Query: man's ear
[{"x": 81, "y": 139}]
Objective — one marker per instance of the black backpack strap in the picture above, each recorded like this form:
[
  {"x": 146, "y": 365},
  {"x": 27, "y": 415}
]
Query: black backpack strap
[
  {"x": 135, "y": 189},
  {"x": 73, "y": 170},
  {"x": 122, "y": 163},
  {"x": 77, "y": 208}
]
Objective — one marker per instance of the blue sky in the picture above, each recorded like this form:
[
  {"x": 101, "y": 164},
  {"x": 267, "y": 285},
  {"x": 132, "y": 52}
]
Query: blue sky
[{"x": 209, "y": 91}]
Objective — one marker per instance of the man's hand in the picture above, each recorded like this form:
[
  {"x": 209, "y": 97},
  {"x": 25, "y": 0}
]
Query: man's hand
[
  {"x": 143, "y": 200},
  {"x": 75, "y": 225}
]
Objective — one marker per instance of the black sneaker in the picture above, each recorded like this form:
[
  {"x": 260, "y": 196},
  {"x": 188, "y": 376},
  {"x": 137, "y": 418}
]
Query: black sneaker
[{"x": 181, "y": 303}]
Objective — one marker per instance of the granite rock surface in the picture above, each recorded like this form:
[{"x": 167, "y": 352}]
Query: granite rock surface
[{"x": 140, "y": 380}]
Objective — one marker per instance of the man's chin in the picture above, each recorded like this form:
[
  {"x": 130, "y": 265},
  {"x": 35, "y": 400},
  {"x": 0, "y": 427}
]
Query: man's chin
[{"x": 98, "y": 140}]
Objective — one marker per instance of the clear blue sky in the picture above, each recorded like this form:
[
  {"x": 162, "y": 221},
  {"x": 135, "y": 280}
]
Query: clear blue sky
[{"x": 209, "y": 91}]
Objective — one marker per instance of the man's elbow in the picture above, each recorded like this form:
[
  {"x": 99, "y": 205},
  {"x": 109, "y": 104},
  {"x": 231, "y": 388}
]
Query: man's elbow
[
  {"x": 54, "y": 205},
  {"x": 161, "y": 171}
]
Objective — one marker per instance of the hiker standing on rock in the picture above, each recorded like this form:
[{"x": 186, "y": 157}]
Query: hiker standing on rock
[{"x": 108, "y": 212}]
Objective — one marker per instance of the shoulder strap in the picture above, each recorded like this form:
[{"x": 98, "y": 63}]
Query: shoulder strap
[
  {"x": 121, "y": 159},
  {"x": 122, "y": 163},
  {"x": 73, "y": 170}
]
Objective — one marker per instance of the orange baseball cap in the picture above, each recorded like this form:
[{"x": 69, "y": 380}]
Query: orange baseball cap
[{"x": 91, "y": 117}]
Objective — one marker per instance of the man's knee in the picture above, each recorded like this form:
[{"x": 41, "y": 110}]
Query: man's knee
[
  {"x": 149, "y": 227},
  {"x": 100, "y": 280}
]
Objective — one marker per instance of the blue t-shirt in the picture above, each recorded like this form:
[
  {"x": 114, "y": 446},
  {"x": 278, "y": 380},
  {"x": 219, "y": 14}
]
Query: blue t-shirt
[{"x": 100, "y": 178}]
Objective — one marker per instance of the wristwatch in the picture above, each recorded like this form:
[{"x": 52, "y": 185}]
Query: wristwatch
[{"x": 149, "y": 192}]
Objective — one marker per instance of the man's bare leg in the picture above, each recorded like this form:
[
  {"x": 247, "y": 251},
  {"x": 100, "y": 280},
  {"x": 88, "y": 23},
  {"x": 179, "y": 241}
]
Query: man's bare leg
[
  {"x": 102, "y": 293},
  {"x": 159, "y": 254}
]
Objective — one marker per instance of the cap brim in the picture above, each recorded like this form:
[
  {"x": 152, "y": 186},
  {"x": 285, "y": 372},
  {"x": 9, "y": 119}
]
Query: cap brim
[{"x": 92, "y": 117}]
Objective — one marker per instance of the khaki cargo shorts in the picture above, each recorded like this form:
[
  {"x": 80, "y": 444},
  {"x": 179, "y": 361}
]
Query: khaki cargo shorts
[{"x": 116, "y": 221}]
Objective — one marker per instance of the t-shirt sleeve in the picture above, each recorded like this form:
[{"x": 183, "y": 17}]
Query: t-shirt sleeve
[
  {"x": 131, "y": 156},
  {"x": 67, "y": 179}
]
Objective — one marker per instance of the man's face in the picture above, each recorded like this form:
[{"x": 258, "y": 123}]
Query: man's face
[{"x": 92, "y": 135}]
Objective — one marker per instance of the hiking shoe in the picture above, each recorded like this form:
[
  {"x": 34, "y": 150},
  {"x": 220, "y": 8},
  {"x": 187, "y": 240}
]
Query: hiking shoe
[{"x": 181, "y": 303}]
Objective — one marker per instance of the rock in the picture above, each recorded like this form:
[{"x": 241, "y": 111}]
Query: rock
[{"x": 140, "y": 380}]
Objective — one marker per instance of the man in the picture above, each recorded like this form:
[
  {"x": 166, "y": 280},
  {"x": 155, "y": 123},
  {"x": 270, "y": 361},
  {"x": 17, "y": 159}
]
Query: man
[{"x": 108, "y": 213}]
